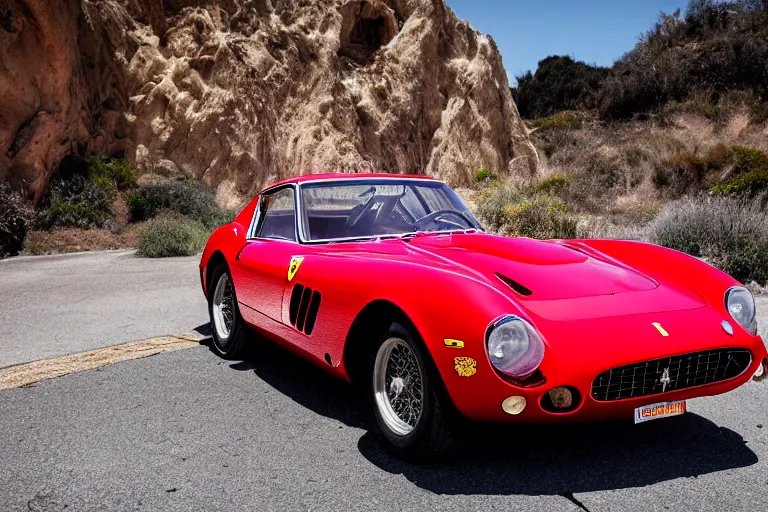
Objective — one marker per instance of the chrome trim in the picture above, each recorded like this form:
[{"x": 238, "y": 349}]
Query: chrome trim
[
  {"x": 352, "y": 177},
  {"x": 300, "y": 212},
  {"x": 257, "y": 213},
  {"x": 254, "y": 219},
  {"x": 505, "y": 319},
  {"x": 300, "y": 215},
  {"x": 754, "y": 309},
  {"x": 390, "y": 237}
]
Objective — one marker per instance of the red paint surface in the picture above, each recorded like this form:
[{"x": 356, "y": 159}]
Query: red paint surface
[{"x": 594, "y": 302}]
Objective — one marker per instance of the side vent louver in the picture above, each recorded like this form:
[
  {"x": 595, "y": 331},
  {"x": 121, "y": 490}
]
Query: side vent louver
[
  {"x": 303, "y": 309},
  {"x": 522, "y": 290}
]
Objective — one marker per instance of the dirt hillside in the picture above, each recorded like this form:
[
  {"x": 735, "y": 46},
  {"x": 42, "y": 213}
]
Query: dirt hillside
[{"x": 241, "y": 92}]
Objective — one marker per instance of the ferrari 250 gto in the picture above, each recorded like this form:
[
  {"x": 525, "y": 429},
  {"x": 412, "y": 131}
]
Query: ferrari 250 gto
[{"x": 390, "y": 282}]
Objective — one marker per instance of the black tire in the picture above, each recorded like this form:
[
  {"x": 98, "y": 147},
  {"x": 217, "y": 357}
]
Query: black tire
[
  {"x": 438, "y": 431},
  {"x": 234, "y": 345}
]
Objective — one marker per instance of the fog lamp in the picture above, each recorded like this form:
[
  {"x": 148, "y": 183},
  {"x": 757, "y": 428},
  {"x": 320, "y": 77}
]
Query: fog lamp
[
  {"x": 561, "y": 398},
  {"x": 513, "y": 405}
]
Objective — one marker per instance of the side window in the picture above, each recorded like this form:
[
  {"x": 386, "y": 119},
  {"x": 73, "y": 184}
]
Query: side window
[{"x": 277, "y": 217}]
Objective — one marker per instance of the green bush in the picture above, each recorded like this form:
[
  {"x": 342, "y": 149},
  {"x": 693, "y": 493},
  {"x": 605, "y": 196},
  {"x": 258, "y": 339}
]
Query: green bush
[
  {"x": 111, "y": 175},
  {"x": 493, "y": 201},
  {"x": 169, "y": 235},
  {"x": 76, "y": 202},
  {"x": 748, "y": 159},
  {"x": 560, "y": 83},
  {"x": 554, "y": 185},
  {"x": 15, "y": 220},
  {"x": 504, "y": 209},
  {"x": 193, "y": 200},
  {"x": 750, "y": 184},
  {"x": 559, "y": 121},
  {"x": 540, "y": 217},
  {"x": 717, "y": 46},
  {"x": 485, "y": 176},
  {"x": 730, "y": 233},
  {"x": 750, "y": 169}
]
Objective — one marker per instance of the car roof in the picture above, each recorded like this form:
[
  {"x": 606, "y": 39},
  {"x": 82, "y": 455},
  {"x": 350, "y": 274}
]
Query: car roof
[{"x": 351, "y": 176}]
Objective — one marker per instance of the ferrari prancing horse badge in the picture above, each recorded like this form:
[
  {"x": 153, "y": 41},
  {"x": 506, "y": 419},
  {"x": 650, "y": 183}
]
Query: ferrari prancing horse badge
[{"x": 294, "y": 267}]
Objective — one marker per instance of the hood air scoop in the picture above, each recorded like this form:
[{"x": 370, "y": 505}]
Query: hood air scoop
[{"x": 522, "y": 290}]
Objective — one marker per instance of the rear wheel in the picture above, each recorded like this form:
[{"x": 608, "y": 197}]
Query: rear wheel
[
  {"x": 229, "y": 331},
  {"x": 412, "y": 412}
]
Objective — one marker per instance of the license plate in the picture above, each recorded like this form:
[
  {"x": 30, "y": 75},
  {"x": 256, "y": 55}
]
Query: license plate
[{"x": 662, "y": 410}]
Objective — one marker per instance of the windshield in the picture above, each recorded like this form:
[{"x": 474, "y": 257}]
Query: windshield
[{"x": 373, "y": 208}]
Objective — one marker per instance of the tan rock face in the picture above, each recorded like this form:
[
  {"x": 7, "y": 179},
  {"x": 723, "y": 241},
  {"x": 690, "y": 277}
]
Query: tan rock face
[{"x": 243, "y": 92}]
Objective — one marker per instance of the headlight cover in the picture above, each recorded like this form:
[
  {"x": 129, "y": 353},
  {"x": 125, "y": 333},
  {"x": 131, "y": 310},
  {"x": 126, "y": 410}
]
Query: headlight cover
[
  {"x": 741, "y": 306},
  {"x": 515, "y": 348}
]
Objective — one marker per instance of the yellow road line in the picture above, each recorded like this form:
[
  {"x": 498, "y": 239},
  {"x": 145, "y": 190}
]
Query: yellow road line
[{"x": 29, "y": 373}]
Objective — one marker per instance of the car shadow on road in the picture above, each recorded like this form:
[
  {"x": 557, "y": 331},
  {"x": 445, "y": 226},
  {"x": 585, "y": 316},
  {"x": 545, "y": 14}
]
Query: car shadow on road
[
  {"x": 532, "y": 460},
  {"x": 304, "y": 383},
  {"x": 567, "y": 459}
]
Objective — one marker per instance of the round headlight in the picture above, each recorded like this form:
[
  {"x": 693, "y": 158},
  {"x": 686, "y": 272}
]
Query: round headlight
[
  {"x": 514, "y": 347},
  {"x": 741, "y": 306}
]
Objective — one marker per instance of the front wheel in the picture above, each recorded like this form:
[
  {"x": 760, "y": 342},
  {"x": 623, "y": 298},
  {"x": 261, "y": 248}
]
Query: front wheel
[
  {"x": 228, "y": 328},
  {"x": 411, "y": 411}
]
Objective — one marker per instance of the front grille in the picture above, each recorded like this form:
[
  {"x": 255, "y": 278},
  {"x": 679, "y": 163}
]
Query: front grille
[{"x": 677, "y": 372}]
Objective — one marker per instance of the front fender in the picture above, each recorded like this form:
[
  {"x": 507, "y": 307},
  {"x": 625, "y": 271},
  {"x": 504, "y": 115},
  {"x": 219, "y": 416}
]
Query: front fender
[
  {"x": 668, "y": 266},
  {"x": 228, "y": 240}
]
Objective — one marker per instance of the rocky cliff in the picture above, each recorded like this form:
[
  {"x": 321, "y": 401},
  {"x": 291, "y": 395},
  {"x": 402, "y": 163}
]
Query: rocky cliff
[{"x": 242, "y": 92}]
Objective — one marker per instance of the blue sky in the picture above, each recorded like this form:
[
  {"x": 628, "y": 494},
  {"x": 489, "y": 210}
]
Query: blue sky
[{"x": 594, "y": 31}]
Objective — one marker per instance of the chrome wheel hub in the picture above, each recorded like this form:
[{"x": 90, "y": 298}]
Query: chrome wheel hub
[
  {"x": 397, "y": 386},
  {"x": 223, "y": 308}
]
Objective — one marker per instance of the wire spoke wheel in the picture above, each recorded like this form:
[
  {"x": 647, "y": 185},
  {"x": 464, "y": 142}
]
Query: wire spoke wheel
[
  {"x": 223, "y": 308},
  {"x": 398, "y": 386}
]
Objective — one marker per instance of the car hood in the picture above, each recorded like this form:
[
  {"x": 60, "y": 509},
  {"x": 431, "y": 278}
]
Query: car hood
[{"x": 551, "y": 278}]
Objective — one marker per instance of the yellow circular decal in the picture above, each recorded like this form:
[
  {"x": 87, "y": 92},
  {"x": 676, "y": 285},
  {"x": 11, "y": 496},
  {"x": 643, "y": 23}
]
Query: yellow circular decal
[{"x": 465, "y": 366}]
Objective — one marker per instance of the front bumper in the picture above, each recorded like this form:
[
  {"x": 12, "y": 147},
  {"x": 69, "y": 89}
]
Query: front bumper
[
  {"x": 488, "y": 408},
  {"x": 576, "y": 365}
]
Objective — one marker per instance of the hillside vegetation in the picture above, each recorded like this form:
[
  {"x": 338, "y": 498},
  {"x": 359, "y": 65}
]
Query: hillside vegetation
[
  {"x": 98, "y": 204},
  {"x": 714, "y": 55},
  {"x": 669, "y": 145}
]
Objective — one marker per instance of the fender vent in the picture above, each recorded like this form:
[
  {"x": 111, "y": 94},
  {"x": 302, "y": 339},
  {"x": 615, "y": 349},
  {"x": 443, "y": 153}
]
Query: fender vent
[
  {"x": 303, "y": 309},
  {"x": 522, "y": 290}
]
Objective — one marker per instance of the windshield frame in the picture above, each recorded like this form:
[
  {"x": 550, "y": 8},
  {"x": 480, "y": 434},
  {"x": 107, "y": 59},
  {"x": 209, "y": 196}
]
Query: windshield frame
[{"x": 384, "y": 180}]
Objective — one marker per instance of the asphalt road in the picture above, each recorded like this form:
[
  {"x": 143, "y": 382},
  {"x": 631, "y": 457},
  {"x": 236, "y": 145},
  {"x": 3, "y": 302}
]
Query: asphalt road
[
  {"x": 56, "y": 305},
  {"x": 188, "y": 431}
]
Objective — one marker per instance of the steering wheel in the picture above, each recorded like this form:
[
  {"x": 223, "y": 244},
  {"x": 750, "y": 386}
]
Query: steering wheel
[
  {"x": 431, "y": 217},
  {"x": 354, "y": 217}
]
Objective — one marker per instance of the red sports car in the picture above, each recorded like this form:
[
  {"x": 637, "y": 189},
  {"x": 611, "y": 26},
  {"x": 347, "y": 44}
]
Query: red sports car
[{"x": 390, "y": 282}]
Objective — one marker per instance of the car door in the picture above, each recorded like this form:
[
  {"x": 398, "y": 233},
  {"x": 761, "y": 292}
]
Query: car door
[{"x": 261, "y": 269}]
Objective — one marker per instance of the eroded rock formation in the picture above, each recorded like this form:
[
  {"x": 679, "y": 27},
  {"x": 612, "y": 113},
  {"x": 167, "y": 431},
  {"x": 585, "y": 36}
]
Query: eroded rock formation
[{"x": 243, "y": 92}]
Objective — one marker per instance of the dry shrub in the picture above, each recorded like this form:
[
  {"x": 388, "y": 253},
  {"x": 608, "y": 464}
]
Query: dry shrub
[
  {"x": 76, "y": 202},
  {"x": 493, "y": 201},
  {"x": 680, "y": 174},
  {"x": 561, "y": 121},
  {"x": 596, "y": 184},
  {"x": 505, "y": 209},
  {"x": 553, "y": 185},
  {"x": 730, "y": 233},
  {"x": 172, "y": 235},
  {"x": 196, "y": 201},
  {"x": 541, "y": 217},
  {"x": 15, "y": 220}
]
